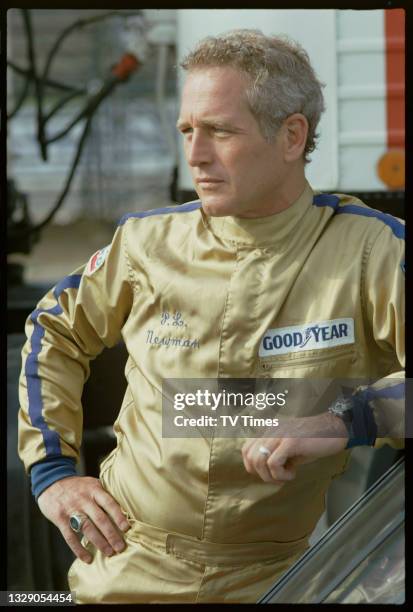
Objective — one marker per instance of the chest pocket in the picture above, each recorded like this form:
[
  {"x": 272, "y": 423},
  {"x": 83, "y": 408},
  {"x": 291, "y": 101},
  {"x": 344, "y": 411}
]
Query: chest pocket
[
  {"x": 313, "y": 378},
  {"x": 318, "y": 363}
]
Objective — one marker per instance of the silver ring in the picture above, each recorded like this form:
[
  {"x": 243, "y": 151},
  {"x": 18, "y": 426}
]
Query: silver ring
[
  {"x": 264, "y": 451},
  {"x": 76, "y": 521}
]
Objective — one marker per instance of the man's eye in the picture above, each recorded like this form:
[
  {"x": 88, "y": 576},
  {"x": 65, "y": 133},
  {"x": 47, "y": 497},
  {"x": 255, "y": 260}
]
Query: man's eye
[{"x": 221, "y": 132}]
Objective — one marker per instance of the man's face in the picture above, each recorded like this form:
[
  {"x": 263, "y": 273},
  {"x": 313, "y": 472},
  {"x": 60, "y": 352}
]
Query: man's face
[{"x": 234, "y": 169}]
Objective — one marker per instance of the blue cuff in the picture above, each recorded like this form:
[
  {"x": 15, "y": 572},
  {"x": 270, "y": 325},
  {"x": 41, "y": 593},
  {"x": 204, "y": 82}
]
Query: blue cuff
[
  {"x": 363, "y": 430},
  {"x": 48, "y": 471},
  {"x": 358, "y": 442}
]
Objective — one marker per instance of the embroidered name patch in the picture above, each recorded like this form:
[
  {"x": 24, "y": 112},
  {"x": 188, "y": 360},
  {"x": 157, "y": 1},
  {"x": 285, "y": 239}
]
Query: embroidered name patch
[
  {"x": 97, "y": 260},
  {"x": 309, "y": 336}
]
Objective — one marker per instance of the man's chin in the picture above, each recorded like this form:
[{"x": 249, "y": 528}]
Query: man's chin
[{"x": 217, "y": 208}]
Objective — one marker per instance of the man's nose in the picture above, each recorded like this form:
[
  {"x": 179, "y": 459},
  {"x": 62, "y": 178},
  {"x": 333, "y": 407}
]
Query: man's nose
[{"x": 198, "y": 149}]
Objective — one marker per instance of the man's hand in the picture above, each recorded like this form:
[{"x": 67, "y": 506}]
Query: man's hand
[
  {"x": 86, "y": 495},
  {"x": 285, "y": 453}
]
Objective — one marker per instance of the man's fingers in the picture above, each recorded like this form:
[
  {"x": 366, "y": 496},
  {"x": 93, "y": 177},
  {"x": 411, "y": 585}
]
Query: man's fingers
[
  {"x": 112, "y": 508},
  {"x": 283, "y": 462},
  {"x": 247, "y": 464},
  {"x": 279, "y": 471},
  {"x": 103, "y": 516},
  {"x": 255, "y": 462},
  {"x": 261, "y": 467},
  {"x": 277, "y": 467},
  {"x": 104, "y": 519},
  {"x": 94, "y": 535},
  {"x": 246, "y": 457},
  {"x": 247, "y": 445},
  {"x": 249, "y": 457},
  {"x": 101, "y": 531},
  {"x": 74, "y": 544}
]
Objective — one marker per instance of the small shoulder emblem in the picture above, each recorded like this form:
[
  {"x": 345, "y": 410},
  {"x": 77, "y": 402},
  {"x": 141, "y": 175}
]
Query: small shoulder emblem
[{"x": 96, "y": 261}]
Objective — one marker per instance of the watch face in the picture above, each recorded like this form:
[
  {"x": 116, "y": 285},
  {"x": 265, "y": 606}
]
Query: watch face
[{"x": 342, "y": 407}]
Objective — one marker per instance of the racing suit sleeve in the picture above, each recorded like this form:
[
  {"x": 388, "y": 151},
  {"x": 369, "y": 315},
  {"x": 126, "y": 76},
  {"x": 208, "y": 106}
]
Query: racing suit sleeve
[
  {"x": 72, "y": 324},
  {"x": 384, "y": 303}
]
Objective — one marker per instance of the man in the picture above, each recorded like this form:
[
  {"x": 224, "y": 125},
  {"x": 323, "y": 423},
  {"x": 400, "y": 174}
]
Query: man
[{"x": 203, "y": 291}]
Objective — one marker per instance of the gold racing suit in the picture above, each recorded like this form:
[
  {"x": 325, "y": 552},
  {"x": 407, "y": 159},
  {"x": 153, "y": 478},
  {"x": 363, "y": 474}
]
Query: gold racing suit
[{"x": 203, "y": 297}]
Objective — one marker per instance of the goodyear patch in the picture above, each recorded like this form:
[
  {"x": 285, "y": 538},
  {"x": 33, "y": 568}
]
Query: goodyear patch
[
  {"x": 96, "y": 261},
  {"x": 309, "y": 336}
]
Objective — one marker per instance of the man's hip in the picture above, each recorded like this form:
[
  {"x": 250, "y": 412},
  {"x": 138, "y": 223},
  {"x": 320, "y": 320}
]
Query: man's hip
[{"x": 162, "y": 567}]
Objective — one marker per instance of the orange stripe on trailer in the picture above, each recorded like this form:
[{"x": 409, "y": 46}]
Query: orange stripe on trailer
[
  {"x": 391, "y": 165},
  {"x": 395, "y": 79}
]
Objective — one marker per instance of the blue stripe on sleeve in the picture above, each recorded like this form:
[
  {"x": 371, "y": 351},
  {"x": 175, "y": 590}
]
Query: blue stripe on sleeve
[
  {"x": 393, "y": 392},
  {"x": 50, "y": 438},
  {"x": 325, "y": 199},
  {"x": 390, "y": 392},
  {"x": 190, "y": 206},
  {"x": 45, "y": 473},
  {"x": 395, "y": 225}
]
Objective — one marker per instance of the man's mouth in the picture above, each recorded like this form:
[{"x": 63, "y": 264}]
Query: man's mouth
[{"x": 208, "y": 182}]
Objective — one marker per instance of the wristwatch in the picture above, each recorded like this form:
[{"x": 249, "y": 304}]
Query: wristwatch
[{"x": 343, "y": 408}]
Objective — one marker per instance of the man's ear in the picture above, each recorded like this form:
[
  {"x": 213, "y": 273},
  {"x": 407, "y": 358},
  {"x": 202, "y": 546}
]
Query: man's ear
[{"x": 295, "y": 136}]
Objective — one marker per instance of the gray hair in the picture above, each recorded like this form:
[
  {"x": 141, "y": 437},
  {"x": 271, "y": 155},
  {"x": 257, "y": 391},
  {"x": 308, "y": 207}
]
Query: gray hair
[{"x": 282, "y": 80}]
